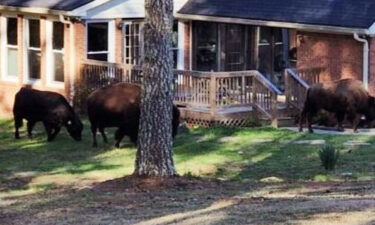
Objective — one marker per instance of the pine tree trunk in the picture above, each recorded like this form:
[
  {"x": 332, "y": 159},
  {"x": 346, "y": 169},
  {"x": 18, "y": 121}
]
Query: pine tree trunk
[{"x": 154, "y": 155}]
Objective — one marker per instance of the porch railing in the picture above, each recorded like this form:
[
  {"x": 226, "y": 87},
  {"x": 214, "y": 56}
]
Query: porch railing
[
  {"x": 310, "y": 75},
  {"x": 296, "y": 89},
  {"x": 211, "y": 90}
]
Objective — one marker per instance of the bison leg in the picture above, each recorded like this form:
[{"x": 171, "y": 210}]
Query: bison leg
[
  {"x": 105, "y": 139},
  {"x": 355, "y": 122},
  {"x": 93, "y": 131},
  {"x": 49, "y": 130},
  {"x": 17, "y": 125},
  {"x": 340, "y": 118},
  {"x": 55, "y": 132},
  {"x": 310, "y": 116},
  {"x": 302, "y": 119},
  {"x": 119, "y": 135},
  {"x": 30, "y": 127}
]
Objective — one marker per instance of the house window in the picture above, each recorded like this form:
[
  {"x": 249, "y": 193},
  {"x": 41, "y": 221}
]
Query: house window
[
  {"x": 205, "y": 46},
  {"x": 12, "y": 47},
  {"x": 58, "y": 51},
  {"x": 33, "y": 49},
  {"x": 97, "y": 41},
  {"x": 132, "y": 43},
  {"x": 175, "y": 43}
]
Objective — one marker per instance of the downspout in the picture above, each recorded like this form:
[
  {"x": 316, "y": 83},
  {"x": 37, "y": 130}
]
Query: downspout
[
  {"x": 71, "y": 57},
  {"x": 365, "y": 59}
]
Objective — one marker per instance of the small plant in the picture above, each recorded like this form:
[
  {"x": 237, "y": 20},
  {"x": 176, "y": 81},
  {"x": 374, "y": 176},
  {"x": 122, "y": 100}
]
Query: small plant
[{"x": 329, "y": 156}]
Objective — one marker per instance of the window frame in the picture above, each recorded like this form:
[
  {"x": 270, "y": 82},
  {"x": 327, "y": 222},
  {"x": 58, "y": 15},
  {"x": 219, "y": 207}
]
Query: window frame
[
  {"x": 50, "y": 52},
  {"x": 111, "y": 40},
  {"x": 5, "y": 48},
  {"x": 140, "y": 44},
  {"x": 27, "y": 75}
]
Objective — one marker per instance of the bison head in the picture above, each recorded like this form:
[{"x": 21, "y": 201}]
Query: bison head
[{"x": 75, "y": 127}]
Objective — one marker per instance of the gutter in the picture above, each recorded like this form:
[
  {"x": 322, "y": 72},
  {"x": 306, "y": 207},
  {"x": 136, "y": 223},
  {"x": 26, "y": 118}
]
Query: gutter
[{"x": 365, "y": 59}]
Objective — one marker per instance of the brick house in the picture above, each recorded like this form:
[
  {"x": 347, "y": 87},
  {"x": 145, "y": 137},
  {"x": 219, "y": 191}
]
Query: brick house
[
  {"x": 44, "y": 44},
  {"x": 218, "y": 40}
]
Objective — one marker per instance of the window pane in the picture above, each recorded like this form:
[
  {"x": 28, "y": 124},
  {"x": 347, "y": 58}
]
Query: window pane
[
  {"x": 34, "y": 64},
  {"x": 97, "y": 37},
  {"x": 12, "y": 31},
  {"x": 59, "y": 67},
  {"x": 265, "y": 35},
  {"x": 101, "y": 57},
  {"x": 175, "y": 34},
  {"x": 12, "y": 62},
  {"x": 58, "y": 35},
  {"x": 206, "y": 46},
  {"x": 34, "y": 33}
]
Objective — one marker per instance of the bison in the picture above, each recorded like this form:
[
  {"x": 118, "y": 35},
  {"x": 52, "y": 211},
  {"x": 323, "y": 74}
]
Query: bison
[
  {"x": 345, "y": 97},
  {"x": 48, "y": 107},
  {"x": 118, "y": 105}
]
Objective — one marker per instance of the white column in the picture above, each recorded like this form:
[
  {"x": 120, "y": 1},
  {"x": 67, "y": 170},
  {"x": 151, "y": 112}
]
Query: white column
[
  {"x": 111, "y": 41},
  {"x": 181, "y": 46}
]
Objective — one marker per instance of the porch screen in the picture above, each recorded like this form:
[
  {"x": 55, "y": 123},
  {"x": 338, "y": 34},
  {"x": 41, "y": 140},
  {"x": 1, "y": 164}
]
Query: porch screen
[
  {"x": 205, "y": 46},
  {"x": 97, "y": 41},
  {"x": 12, "y": 47},
  {"x": 34, "y": 51},
  {"x": 132, "y": 42},
  {"x": 271, "y": 57},
  {"x": 58, "y": 51}
]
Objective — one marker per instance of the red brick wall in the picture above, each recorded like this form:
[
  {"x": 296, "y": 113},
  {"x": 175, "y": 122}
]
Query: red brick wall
[
  {"x": 340, "y": 56},
  {"x": 8, "y": 89},
  {"x": 372, "y": 67}
]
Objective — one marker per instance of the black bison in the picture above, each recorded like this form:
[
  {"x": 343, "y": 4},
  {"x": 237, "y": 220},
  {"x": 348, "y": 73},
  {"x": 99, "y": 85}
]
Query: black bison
[
  {"x": 48, "y": 107},
  {"x": 118, "y": 105},
  {"x": 343, "y": 98}
]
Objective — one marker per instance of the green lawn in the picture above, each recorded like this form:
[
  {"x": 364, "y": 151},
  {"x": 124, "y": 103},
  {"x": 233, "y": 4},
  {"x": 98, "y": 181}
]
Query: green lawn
[
  {"x": 40, "y": 180},
  {"x": 225, "y": 153}
]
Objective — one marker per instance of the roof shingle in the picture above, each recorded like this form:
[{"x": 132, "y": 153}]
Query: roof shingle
[
  {"x": 64, "y": 5},
  {"x": 342, "y": 13}
]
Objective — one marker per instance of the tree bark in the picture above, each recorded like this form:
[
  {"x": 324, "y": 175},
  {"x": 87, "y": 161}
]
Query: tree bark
[{"x": 154, "y": 155}]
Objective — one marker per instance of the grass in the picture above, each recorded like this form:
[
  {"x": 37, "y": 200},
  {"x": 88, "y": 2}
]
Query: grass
[
  {"x": 36, "y": 176},
  {"x": 226, "y": 153}
]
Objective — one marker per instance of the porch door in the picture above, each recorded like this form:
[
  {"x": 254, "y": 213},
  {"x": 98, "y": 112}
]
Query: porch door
[
  {"x": 132, "y": 48},
  {"x": 234, "y": 47},
  {"x": 271, "y": 54}
]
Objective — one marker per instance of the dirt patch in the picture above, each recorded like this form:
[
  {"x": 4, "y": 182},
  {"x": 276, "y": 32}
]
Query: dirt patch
[{"x": 142, "y": 184}]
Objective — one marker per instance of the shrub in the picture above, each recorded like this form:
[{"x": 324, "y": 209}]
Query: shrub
[{"x": 329, "y": 156}]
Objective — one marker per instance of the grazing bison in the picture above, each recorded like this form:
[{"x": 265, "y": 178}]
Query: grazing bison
[
  {"x": 118, "y": 105},
  {"x": 345, "y": 97},
  {"x": 50, "y": 108}
]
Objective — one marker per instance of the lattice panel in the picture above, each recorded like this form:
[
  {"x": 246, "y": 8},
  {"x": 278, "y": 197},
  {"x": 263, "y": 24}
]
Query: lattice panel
[{"x": 228, "y": 122}]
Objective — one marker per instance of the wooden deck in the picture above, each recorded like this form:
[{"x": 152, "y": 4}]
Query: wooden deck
[{"x": 206, "y": 98}]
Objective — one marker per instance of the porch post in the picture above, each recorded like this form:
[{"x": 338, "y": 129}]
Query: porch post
[
  {"x": 213, "y": 95},
  {"x": 181, "y": 46}
]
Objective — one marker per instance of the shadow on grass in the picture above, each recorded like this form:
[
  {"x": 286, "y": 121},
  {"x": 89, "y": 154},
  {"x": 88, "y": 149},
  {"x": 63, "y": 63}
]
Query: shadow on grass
[{"x": 184, "y": 200}]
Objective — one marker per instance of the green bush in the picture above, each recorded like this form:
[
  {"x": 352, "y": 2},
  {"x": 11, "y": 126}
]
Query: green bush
[{"x": 329, "y": 156}]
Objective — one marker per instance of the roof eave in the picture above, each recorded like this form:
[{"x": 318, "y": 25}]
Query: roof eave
[
  {"x": 33, "y": 10},
  {"x": 301, "y": 26}
]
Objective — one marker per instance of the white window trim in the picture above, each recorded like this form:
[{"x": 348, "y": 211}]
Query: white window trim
[
  {"x": 111, "y": 57},
  {"x": 50, "y": 62},
  {"x": 27, "y": 79},
  {"x": 4, "y": 49}
]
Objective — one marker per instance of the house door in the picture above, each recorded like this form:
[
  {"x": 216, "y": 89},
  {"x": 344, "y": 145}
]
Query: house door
[
  {"x": 233, "y": 42},
  {"x": 271, "y": 61}
]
